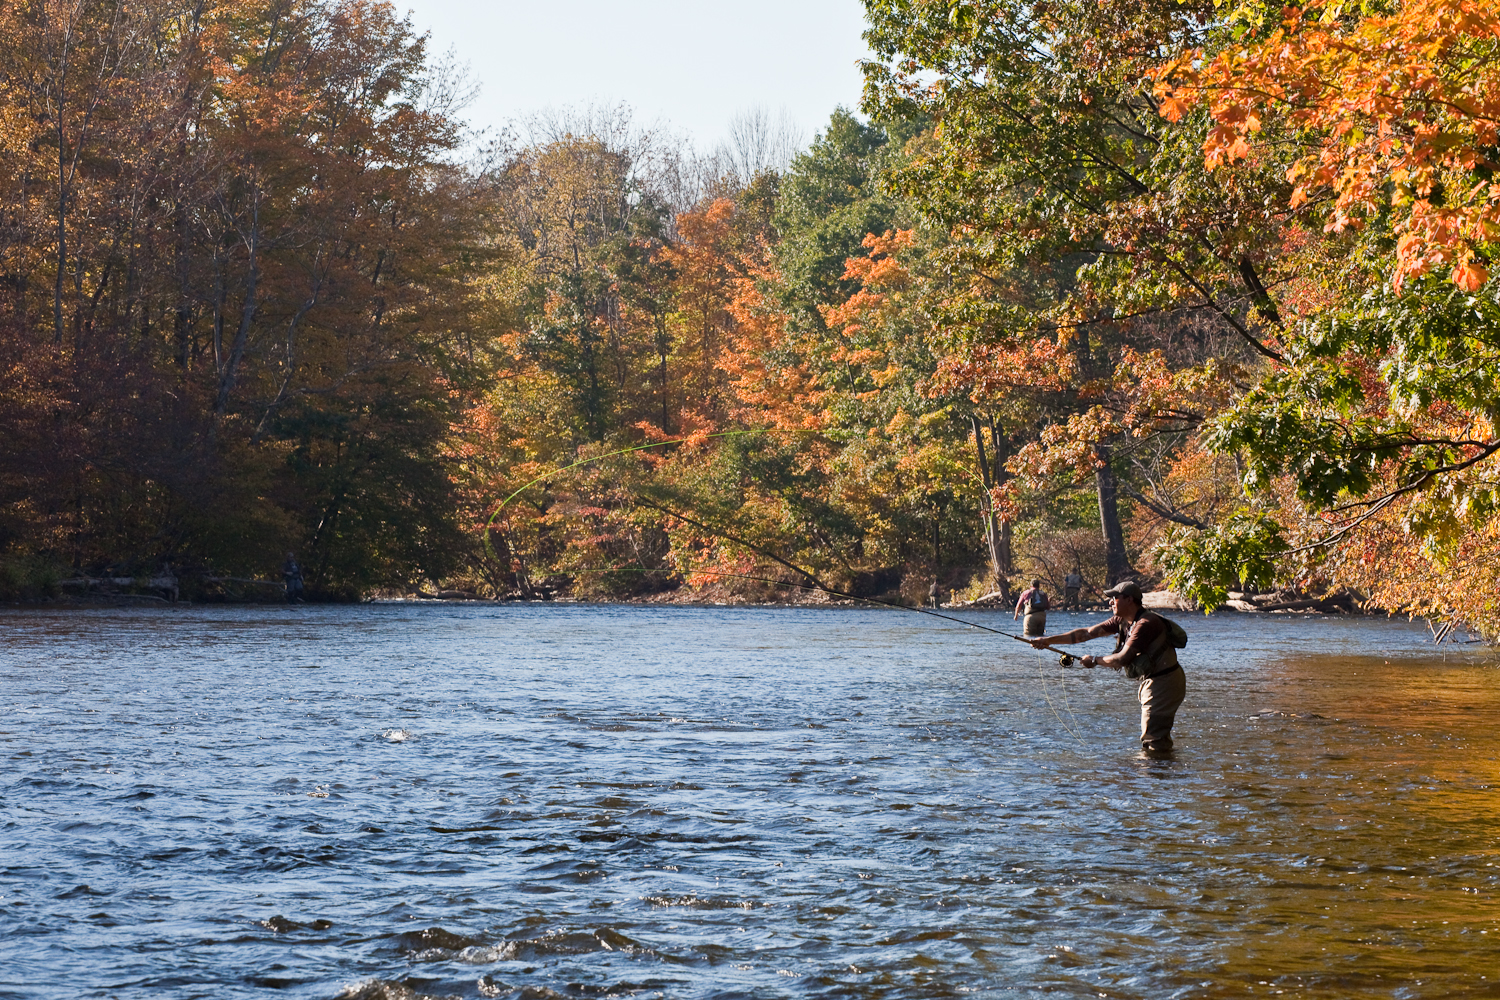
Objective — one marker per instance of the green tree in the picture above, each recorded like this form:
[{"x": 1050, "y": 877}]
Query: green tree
[{"x": 1074, "y": 210}]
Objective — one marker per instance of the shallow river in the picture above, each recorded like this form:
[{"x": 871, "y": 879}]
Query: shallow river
[{"x": 393, "y": 801}]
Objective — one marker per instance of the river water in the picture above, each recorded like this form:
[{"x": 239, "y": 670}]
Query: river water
[{"x": 399, "y": 801}]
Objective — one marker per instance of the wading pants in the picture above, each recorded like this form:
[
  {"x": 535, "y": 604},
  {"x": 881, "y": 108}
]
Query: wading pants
[
  {"x": 1160, "y": 697},
  {"x": 1034, "y": 624}
]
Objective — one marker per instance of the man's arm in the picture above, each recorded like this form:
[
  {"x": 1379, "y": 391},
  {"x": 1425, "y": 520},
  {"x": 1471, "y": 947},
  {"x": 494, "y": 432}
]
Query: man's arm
[
  {"x": 1134, "y": 645},
  {"x": 1076, "y": 635},
  {"x": 1112, "y": 660}
]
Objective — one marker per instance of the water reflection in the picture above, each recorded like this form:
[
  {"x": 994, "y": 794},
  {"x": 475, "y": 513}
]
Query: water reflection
[{"x": 553, "y": 801}]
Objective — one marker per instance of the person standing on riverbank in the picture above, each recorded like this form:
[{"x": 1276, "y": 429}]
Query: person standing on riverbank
[
  {"x": 1033, "y": 604},
  {"x": 1144, "y": 650},
  {"x": 1072, "y": 584},
  {"x": 291, "y": 572}
]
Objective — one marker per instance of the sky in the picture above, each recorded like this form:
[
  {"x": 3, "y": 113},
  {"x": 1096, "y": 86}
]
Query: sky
[{"x": 689, "y": 65}]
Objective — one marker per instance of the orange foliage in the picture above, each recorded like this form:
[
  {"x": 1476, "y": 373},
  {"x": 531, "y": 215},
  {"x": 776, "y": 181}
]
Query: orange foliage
[
  {"x": 992, "y": 371},
  {"x": 709, "y": 268},
  {"x": 1402, "y": 108},
  {"x": 771, "y": 388}
]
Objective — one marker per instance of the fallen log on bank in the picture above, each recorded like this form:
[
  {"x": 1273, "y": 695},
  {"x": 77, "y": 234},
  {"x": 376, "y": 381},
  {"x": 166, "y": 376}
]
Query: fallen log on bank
[
  {"x": 120, "y": 586},
  {"x": 154, "y": 582},
  {"x": 1339, "y": 602}
]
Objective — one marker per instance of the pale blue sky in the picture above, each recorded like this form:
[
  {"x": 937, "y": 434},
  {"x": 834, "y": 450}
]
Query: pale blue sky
[{"x": 694, "y": 65}]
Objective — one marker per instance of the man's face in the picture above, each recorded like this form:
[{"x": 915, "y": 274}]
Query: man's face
[{"x": 1123, "y": 606}]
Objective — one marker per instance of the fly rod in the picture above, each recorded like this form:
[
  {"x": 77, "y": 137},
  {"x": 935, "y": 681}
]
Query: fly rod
[
  {"x": 831, "y": 592},
  {"x": 817, "y": 584}
]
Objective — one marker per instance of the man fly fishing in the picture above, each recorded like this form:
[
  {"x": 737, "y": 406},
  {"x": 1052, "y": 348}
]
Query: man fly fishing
[{"x": 1146, "y": 647}]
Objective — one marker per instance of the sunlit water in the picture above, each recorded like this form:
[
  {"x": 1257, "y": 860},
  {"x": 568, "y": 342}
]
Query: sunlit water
[{"x": 540, "y": 801}]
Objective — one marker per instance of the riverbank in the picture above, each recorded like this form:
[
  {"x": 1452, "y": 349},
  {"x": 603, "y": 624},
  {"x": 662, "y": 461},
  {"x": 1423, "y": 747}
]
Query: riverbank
[
  {"x": 1341, "y": 602},
  {"x": 86, "y": 591},
  {"x": 169, "y": 588}
]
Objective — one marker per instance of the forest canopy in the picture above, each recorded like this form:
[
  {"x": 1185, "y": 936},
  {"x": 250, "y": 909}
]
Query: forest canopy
[{"x": 1196, "y": 293}]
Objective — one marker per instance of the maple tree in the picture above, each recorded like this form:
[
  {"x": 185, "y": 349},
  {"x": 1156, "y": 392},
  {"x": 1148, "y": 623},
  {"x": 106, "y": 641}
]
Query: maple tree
[
  {"x": 1394, "y": 116},
  {"x": 1369, "y": 452}
]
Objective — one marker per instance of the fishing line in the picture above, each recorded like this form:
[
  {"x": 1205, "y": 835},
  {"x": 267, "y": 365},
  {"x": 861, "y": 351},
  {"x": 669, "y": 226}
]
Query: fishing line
[
  {"x": 906, "y": 607},
  {"x": 887, "y": 604},
  {"x": 819, "y": 585},
  {"x": 1042, "y": 676},
  {"x": 809, "y": 575},
  {"x": 1041, "y": 663},
  {"x": 489, "y": 524},
  {"x": 490, "y": 550},
  {"x": 1064, "y": 661}
]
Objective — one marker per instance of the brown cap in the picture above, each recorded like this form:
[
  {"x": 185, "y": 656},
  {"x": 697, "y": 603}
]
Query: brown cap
[{"x": 1125, "y": 588}]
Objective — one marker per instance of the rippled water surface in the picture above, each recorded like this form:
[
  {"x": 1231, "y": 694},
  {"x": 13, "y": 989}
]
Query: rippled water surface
[{"x": 539, "y": 801}]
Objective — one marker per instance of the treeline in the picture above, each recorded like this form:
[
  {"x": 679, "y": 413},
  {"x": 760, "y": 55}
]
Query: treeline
[
  {"x": 236, "y": 262},
  {"x": 1156, "y": 289},
  {"x": 772, "y": 436}
]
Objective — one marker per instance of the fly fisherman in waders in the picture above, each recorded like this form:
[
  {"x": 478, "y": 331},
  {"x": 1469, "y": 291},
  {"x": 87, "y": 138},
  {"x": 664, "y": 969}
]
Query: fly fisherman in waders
[
  {"x": 1145, "y": 649},
  {"x": 1033, "y": 604}
]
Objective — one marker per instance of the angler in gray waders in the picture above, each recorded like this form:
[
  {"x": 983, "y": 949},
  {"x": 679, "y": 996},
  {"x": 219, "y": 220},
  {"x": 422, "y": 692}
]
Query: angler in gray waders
[{"x": 1146, "y": 647}]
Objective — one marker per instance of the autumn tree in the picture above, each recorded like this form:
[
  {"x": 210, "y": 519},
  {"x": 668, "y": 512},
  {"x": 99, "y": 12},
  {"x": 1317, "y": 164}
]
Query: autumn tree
[
  {"x": 596, "y": 314},
  {"x": 1073, "y": 211},
  {"x": 249, "y": 260},
  {"x": 1370, "y": 451}
]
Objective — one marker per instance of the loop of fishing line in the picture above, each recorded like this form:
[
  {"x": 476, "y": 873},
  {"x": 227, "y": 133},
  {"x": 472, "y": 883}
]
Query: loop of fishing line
[
  {"x": 1042, "y": 675},
  {"x": 1065, "y": 660}
]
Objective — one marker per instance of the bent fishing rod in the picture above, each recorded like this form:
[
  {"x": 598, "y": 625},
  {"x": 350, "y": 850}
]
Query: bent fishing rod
[
  {"x": 489, "y": 524},
  {"x": 868, "y": 600},
  {"x": 817, "y": 584},
  {"x": 820, "y": 587}
]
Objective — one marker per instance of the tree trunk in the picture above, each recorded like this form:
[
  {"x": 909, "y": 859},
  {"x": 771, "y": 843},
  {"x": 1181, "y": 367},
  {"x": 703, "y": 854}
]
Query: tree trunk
[
  {"x": 62, "y": 198},
  {"x": 182, "y": 315},
  {"x": 661, "y": 351},
  {"x": 1116, "y": 564},
  {"x": 986, "y": 504},
  {"x": 230, "y": 365},
  {"x": 1007, "y": 565}
]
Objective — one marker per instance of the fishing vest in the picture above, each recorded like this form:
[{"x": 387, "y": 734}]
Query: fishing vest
[{"x": 1161, "y": 656}]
